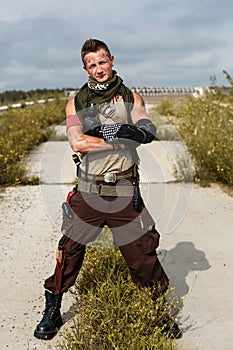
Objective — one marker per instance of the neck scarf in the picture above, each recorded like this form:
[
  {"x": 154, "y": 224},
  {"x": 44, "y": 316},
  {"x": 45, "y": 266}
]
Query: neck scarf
[
  {"x": 96, "y": 93},
  {"x": 102, "y": 87}
]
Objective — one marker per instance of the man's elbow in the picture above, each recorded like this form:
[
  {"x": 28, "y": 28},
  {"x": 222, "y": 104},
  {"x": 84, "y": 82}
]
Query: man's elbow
[
  {"x": 75, "y": 147},
  {"x": 76, "y": 141}
]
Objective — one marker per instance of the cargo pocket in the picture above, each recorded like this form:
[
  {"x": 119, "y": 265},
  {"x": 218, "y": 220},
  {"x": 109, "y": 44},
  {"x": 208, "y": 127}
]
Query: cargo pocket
[
  {"x": 150, "y": 241},
  {"x": 78, "y": 230},
  {"x": 70, "y": 223},
  {"x": 67, "y": 226}
]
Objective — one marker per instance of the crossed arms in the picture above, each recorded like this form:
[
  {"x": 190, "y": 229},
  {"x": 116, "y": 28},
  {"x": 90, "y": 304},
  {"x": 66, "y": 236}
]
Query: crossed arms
[{"x": 83, "y": 143}]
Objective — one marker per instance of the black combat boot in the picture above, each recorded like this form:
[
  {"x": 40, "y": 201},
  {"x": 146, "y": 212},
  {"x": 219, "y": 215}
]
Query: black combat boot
[
  {"x": 51, "y": 321},
  {"x": 168, "y": 326},
  {"x": 172, "y": 330}
]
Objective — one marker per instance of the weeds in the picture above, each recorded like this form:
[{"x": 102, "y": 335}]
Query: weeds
[
  {"x": 165, "y": 129},
  {"x": 20, "y": 131},
  {"x": 114, "y": 313},
  {"x": 207, "y": 130},
  {"x": 205, "y": 124}
]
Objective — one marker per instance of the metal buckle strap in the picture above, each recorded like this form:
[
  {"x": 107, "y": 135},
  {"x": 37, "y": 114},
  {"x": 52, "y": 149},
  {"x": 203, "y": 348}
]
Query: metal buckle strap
[
  {"x": 84, "y": 186},
  {"x": 110, "y": 177},
  {"x": 116, "y": 191},
  {"x": 105, "y": 190}
]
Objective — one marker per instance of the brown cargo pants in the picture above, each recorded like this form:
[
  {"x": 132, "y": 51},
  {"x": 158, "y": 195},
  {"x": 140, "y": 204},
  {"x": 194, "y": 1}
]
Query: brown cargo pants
[{"x": 133, "y": 232}]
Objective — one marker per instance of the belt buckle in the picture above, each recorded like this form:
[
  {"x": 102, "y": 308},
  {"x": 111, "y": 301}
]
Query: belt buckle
[{"x": 109, "y": 177}]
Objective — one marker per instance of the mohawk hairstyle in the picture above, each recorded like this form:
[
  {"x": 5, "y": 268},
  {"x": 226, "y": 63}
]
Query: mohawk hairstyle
[{"x": 93, "y": 45}]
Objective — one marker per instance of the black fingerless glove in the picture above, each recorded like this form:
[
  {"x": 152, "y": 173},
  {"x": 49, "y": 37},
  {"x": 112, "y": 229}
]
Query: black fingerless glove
[
  {"x": 142, "y": 132},
  {"x": 95, "y": 131},
  {"x": 107, "y": 131}
]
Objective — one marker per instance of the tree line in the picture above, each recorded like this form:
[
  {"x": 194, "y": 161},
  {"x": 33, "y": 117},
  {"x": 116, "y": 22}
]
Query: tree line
[{"x": 12, "y": 96}]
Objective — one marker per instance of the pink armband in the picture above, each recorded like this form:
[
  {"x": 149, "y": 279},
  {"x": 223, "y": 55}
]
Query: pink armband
[{"x": 72, "y": 120}]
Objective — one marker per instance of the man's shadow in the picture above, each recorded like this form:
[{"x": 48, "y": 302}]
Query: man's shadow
[
  {"x": 181, "y": 260},
  {"x": 178, "y": 262}
]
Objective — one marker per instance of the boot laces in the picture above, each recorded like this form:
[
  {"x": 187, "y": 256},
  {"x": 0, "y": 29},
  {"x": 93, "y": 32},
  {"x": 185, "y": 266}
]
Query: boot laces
[{"x": 50, "y": 311}]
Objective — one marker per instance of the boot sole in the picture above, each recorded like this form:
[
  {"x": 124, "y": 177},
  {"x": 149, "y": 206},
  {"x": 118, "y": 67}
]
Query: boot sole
[
  {"x": 45, "y": 336},
  {"x": 48, "y": 335}
]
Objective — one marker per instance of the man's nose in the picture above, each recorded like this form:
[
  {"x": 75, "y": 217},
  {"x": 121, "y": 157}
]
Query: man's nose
[{"x": 99, "y": 68}]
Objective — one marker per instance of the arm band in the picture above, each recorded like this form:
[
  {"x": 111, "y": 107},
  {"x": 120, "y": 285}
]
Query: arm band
[{"x": 72, "y": 120}]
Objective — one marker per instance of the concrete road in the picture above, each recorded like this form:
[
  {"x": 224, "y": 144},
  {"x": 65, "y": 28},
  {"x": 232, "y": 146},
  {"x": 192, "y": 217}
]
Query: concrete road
[{"x": 196, "y": 246}]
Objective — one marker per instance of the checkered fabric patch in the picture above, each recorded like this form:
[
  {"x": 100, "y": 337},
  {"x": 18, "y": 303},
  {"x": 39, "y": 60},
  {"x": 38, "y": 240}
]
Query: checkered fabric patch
[{"x": 109, "y": 132}]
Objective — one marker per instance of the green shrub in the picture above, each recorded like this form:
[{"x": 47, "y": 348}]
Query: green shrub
[
  {"x": 166, "y": 106},
  {"x": 20, "y": 131},
  {"x": 114, "y": 314},
  {"x": 170, "y": 106},
  {"x": 165, "y": 128},
  {"x": 205, "y": 125},
  {"x": 207, "y": 130}
]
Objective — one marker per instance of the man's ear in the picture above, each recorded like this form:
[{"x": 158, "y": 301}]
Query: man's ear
[
  {"x": 84, "y": 67},
  {"x": 112, "y": 60}
]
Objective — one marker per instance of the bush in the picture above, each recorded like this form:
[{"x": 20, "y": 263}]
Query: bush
[
  {"x": 114, "y": 313},
  {"x": 207, "y": 130},
  {"x": 205, "y": 125},
  {"x": 20, "y": 131},
  {"x": 165, "y": 128},
  {"x": 167, "y": 106}
]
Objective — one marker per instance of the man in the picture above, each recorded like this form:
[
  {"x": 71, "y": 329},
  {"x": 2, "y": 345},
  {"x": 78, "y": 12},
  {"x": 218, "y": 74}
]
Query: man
[{"x": 106, "y": 122}]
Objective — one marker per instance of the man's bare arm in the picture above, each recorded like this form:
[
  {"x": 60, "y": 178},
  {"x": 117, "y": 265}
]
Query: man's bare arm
[
  {"x": 139, "y": 109},
  {"x": 80, "y": 142}
]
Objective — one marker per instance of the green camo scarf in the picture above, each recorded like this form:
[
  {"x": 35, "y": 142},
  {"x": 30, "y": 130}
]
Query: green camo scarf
[{"x": 97, "y": 93}]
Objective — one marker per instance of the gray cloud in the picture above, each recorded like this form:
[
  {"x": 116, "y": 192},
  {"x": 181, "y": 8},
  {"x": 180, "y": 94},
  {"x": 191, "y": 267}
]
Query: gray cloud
[{"x": 174, "y": 42}]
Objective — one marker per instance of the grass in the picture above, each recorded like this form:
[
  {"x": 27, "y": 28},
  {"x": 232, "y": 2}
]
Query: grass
[
  {"x": 112, "y": 312},
  {"x": 205, "y": 125},
  {"x": 20, "y": 131},
  {"x": 207, "y": 130}
]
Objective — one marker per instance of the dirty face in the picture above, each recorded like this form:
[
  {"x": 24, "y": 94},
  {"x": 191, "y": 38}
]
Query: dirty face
[{"x": 99, "y": 65}]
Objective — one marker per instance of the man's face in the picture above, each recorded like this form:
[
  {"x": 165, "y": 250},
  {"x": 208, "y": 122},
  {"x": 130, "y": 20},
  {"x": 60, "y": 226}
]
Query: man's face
[{"x": 99, "y": 65}]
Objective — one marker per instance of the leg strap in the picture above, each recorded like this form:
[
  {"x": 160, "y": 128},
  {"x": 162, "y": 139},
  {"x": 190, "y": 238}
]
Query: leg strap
[{"x": 60, "y": 257}]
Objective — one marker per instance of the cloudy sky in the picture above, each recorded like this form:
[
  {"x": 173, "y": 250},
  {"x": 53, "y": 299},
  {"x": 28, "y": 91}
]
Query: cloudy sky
[{"x": 155, "y": 43}]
